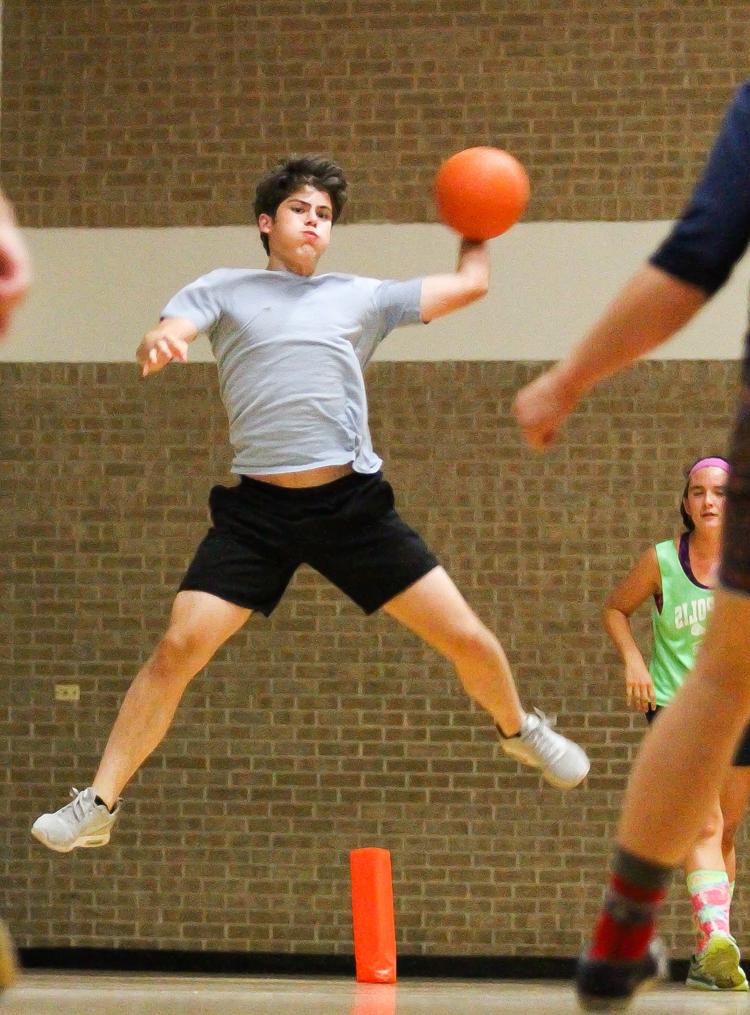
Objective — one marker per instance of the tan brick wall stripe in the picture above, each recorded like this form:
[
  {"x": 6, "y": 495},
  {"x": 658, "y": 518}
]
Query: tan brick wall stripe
[{"x": 100, "y": 289}]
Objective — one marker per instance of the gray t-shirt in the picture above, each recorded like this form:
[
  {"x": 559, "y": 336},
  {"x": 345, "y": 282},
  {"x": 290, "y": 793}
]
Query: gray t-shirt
[{"x": 290, "y": 351}]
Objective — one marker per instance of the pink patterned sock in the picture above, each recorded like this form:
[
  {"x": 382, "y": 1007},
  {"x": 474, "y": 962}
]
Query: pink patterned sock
[{"x": 710, "y": 896}]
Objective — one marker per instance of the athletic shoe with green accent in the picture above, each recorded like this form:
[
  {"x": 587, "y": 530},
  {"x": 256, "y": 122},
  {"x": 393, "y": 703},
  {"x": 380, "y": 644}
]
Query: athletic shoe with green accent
[
  {"x": 8, "y": 960},
  {"x": 83, "y": 822},
  {"x": 717, "y": 967},
  {"x": 563, "y": 764}
]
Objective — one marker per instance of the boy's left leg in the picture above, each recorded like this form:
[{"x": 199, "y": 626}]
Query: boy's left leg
[{"x": 435, "y": 610}]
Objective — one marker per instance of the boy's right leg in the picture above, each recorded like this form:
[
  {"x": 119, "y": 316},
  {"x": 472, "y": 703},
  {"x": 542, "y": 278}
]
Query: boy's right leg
[{"x": 199, "y": 625}]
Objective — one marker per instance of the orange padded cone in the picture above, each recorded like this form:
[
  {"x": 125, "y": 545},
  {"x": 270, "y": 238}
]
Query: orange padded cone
[
  {"x": 374, "y": 999},
  {"x": 372, "y": 916}
]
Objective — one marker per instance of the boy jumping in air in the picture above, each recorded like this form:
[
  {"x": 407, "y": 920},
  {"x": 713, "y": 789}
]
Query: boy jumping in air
[{"x": 291, "y": 347}]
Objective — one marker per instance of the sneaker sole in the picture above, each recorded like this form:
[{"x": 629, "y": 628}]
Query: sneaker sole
[
  {"x": 721, "y": 962},
  {"x": 87, "y": 842},
  {"x": 660, "y": 974},
  {"x": 565, "y": 783},
  {"x": 618, "y": 1003},
  {"x": 741, "y": 988},
  {"x": 548, "y": 775},
  {"x": 700, "y": 985}
]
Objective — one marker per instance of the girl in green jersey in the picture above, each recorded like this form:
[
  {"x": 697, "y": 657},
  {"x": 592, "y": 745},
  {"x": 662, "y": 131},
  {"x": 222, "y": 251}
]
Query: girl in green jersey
[{"x": 679, "y": 575}]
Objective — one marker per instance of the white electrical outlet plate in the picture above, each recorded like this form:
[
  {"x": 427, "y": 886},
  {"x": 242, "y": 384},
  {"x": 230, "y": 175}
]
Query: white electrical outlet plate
[{"x": 67, "y": 692}]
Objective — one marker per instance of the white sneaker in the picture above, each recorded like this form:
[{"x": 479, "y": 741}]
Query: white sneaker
[
  {"x": 563, "y": 763},
  {"x": 83, "y": 822}
]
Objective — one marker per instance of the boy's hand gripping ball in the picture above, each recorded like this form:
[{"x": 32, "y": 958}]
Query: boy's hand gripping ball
[{"x": 481, "y": 192}]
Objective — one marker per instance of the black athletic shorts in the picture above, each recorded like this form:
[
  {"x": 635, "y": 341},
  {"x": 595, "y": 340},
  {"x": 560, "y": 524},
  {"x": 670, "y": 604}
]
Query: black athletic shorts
[
  {"x": 347, "y": 530},
  {"x": 741, "y": 757}
]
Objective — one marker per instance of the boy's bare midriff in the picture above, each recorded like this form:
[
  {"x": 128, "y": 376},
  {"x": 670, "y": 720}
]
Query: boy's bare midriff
[{"x": 308, "y": 477}]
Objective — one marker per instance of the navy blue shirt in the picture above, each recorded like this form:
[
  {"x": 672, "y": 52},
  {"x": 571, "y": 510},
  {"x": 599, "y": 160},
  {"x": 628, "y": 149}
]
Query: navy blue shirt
[{"x": 714, "y": 230}]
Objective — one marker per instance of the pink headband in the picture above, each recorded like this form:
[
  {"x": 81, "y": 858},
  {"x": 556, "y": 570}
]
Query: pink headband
[{"x": 709, "y": 463}]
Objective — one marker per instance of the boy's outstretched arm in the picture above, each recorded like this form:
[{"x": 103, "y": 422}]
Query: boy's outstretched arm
[
  {"x": 168, "y": 341},
  {"x": 469, "y": 282},
  {"x": 647, "y": 311}
]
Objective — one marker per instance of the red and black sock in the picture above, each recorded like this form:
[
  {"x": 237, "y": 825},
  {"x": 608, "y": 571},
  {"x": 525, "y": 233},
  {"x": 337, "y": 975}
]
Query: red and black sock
[{"x": 626, "y": 924}]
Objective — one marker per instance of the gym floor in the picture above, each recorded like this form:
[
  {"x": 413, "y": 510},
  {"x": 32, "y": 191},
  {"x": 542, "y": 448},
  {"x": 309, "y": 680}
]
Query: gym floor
[{"x": 45, "y": 993}]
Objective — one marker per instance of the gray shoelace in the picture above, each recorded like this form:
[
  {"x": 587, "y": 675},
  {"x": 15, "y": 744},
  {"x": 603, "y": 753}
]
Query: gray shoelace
[
  {"x": 76, "y": 807},
  {"x": 537, "y": 739}
]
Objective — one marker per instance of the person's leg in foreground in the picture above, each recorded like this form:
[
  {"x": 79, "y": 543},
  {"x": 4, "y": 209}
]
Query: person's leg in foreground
[{"x": 682, "y": 763}]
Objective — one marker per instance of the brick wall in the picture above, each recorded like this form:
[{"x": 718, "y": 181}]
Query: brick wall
[
  {"x": 321, "y": 731},
  {"x": 127, "y": 112}
]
